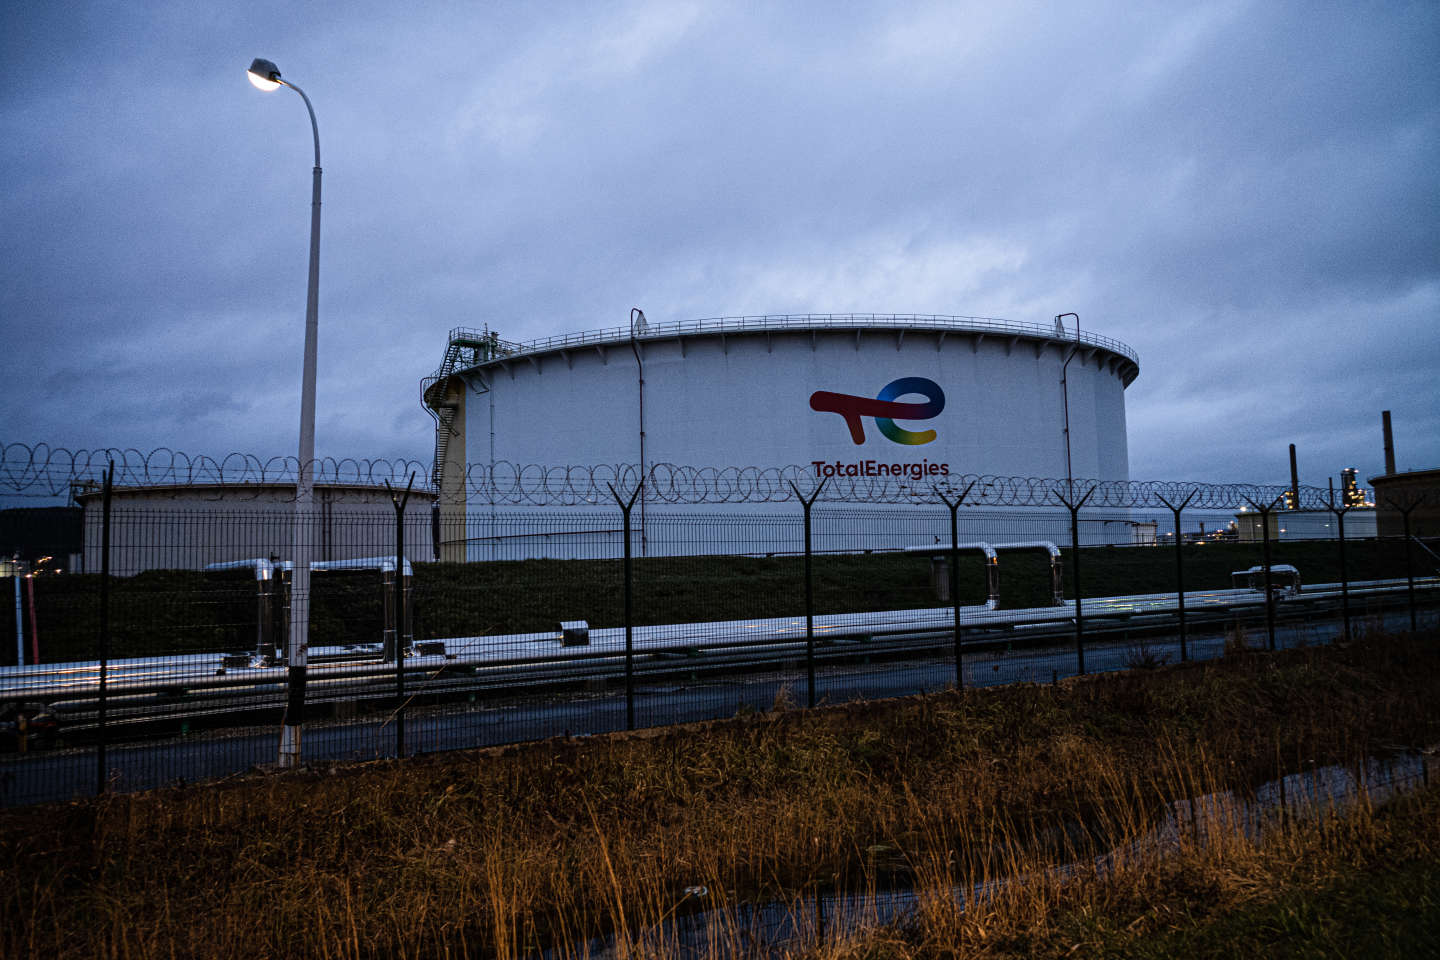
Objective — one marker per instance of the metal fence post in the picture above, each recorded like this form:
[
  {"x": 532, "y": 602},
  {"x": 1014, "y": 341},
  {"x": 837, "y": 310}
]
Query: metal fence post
[
  {"x": 1074, "y": 509},
  {"x": 625, "y": 507},
  {"x": 398, "y": 502},
  {"x": 1344, "y": 577},
  {"x": 19, "y": 613},
  {"x": 1265, "y": 512},
  {"x": 955, "y": 574},
  {"x": 1269, "y": 587},
  {"x": 1409, "y": 562},
  {"x": 435, "y": 530},
  {"x": 809, "y": 595},
  {"x": 100, "y": 771},
  {"x": 1179, "y": 569}
]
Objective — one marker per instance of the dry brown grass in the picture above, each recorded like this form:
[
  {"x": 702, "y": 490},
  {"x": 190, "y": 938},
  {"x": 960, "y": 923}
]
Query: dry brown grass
[
  {"x": 1344, "y": 882},
  {"x": 503, "y": 852}
]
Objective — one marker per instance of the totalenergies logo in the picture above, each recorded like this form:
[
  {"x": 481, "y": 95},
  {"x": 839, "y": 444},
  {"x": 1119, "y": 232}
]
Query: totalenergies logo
[{"x": 886, "y": 409}]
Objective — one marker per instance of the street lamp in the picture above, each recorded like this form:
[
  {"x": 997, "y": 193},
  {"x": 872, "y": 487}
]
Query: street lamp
[{"x": 266, "y": 76}]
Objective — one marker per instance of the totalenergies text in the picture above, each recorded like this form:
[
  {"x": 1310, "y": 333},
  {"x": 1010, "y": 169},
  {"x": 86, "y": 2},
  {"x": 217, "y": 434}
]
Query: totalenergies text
[{"x": 876, "y": 468}]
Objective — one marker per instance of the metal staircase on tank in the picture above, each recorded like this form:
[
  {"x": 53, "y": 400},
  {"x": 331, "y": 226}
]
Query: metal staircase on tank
[{"x": 465, "y": 348}]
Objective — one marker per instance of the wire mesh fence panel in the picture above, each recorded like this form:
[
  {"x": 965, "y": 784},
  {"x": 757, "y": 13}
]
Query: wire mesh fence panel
[
  {"x": 519, "y": 642},
  {"x": 886, "y": 626},
  {"x": 718, "y": 610},
  {"x": 497, "y": 623}
]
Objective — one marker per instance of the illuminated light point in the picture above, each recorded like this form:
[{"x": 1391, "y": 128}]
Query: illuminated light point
[{"x": 264, "y": 75}]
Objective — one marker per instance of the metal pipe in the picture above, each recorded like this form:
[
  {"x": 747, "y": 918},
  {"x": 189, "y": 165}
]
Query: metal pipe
[
  {"x": 638, "y": 315},
  {"x": 383, "y": 564},
  {"x": 985, "y": 548},
  {"x": 992, "y": 565},
  {"x": 510, "y": 655},
  {"x": 1057, "y": 586},
  {"x": 494, "y": 516},
  {"x": 1065, "y": 396},
  {"x": 1045, "y": 545},
  {"x": 264, "y": 568}
]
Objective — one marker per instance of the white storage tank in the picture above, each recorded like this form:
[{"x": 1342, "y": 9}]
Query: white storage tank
[{"x": 913, "y": 398}]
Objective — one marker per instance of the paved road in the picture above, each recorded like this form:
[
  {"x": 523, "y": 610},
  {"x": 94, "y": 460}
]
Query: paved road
[{"x": 68, "y": 773}]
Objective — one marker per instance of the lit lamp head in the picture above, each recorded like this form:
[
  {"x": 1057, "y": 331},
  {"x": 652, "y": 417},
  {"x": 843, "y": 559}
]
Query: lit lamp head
[{"x": 264, "y": 74}]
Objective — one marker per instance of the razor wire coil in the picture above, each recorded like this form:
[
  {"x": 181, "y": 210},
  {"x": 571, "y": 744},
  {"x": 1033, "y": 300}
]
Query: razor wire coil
[{"x": 45, "y": 470}]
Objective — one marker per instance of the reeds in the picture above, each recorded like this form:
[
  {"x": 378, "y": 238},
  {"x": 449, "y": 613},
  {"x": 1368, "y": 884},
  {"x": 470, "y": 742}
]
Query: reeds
[{"x": 1039, "y": 809}]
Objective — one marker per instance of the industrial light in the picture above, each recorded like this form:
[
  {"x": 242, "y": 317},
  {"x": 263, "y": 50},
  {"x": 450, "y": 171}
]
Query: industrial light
[{"x": 263, "y": 74}]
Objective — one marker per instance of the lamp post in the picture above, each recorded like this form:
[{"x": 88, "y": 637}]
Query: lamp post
[{"x": 266, "y": 76}]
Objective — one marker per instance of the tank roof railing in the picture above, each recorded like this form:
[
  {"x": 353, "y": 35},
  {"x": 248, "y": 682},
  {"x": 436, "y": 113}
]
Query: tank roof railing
[{"x": 668, "y": 330}]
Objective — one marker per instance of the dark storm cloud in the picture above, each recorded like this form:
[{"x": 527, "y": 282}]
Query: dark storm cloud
[{"x": 1243, "y": 192}]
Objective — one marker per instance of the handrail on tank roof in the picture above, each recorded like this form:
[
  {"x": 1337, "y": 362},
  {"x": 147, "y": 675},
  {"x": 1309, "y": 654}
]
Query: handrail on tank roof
[{"x": 804, "y": 321}]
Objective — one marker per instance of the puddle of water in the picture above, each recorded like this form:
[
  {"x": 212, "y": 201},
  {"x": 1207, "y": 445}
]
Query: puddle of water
[{"x": 769, "y": 929}]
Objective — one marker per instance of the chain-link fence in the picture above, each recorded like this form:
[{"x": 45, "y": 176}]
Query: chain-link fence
[{"x": 174, "y": 638}]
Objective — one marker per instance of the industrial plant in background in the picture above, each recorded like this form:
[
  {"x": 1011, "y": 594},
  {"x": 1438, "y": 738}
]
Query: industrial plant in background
[
  {"x": 1293, "y": 521},
  {"x": 906, "y": 399},
  {"x": 1407, "y": 503}
]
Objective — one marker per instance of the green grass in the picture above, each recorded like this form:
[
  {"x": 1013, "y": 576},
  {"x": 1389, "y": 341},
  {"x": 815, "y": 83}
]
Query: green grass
[
  {"x": 1375, "y": 909},
  {"x": 1366, "y": 885},
  {"x": 184, "y": 611}
]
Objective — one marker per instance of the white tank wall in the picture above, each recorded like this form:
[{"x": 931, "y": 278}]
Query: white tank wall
[
  {"x": 744, "y": 400},
  {"x": 777, "y": 529},
  {"x": 185, "y": 528}
]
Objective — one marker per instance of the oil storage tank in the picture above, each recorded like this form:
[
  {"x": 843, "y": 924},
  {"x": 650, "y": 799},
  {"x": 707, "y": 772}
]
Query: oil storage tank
[{"x": 909, "y": 397}]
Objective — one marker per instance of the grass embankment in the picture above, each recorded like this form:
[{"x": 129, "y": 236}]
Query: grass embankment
[
  {"x": 181, "y": 611},
  {"x": 501, "y": 852}
]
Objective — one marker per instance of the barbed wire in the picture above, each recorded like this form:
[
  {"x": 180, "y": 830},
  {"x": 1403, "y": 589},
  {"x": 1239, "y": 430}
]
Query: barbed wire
[
  {"x": 509, "y": 484},
  {"x": 43, "y": 469},
  {"x": 54, "y": 471}
]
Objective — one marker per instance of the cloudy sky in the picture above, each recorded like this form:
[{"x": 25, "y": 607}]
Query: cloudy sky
[{"x": 1246, "y": 193}]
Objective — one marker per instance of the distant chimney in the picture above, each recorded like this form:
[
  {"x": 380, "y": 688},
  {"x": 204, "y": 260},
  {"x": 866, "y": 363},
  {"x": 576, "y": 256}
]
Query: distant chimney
[
  {"x": 1294, "y": 503},
  {"x": 1389, "y": 443}
]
